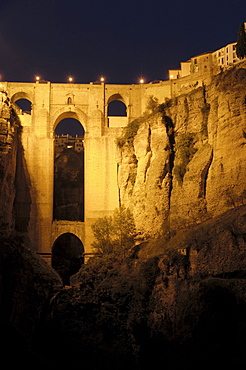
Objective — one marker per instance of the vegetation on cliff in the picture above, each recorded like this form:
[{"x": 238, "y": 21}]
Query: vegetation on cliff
[
  {"x": 184, "y": 147},
  {"x": 130, "y": 131},
  {"x": 115, "y": 234},
  {"x": 241, "y": 42}
]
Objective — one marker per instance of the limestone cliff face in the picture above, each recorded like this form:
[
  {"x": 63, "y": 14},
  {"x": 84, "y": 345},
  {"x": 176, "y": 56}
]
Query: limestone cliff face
[
  {"x": 187, "y": 161},
  {"x": 8, "y": 156},
  {"x": 14, "y": 183}
]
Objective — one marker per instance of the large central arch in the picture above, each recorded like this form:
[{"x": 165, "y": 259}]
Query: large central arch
[
  {"x": 70, "y": 112},
  {"x": 69, "y": 170}
]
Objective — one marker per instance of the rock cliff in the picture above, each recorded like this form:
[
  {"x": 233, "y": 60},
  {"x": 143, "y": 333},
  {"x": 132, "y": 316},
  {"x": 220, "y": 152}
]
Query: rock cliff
[
  {"x": 15, "y": 196},
  {"x": 9, "y": 128},
  {"x": 186, "y": 162}
]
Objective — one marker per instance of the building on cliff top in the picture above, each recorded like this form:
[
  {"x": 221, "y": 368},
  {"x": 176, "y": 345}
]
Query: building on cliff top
[{"x": 215, "y": 62}]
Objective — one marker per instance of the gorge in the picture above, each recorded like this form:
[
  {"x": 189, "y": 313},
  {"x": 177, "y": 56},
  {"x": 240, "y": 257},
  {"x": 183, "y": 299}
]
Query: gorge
[{"x": 179, "y": 299}]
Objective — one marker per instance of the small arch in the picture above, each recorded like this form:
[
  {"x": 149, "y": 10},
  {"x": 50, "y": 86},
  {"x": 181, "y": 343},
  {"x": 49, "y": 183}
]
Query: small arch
[
  {"x": 22, "y": 101},
  {"x": 116, "y": 97},
  {"x": 67, "y": 256},
  {"x": 25, "y": 105},
  {"x": 117, "y": 108},
  {"x": 20, "y": 95},
  {"x": 69, "y": 100}
]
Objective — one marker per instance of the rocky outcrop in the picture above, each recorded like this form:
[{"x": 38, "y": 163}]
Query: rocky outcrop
[
  {"x": 186, "y": 162},
  {"x": 27, "y": 284},
  {"x": 15, "y": 196},
  {"x": 8, "y": 156}
]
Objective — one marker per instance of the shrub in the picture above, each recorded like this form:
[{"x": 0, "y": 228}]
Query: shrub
[
  {"x": 153, "y": 104},
  {"x": 115, "y": 235},
  {"x": 129, "y": 133}
]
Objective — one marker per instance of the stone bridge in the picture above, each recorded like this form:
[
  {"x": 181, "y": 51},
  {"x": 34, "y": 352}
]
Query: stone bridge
[{"x": 87, "y": 103}]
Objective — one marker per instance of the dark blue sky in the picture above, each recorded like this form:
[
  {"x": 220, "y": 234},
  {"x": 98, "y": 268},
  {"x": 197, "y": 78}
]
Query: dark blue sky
[{"x": 122, "y": 40}]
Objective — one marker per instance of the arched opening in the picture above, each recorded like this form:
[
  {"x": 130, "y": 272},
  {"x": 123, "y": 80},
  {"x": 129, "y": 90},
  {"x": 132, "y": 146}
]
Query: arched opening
[
  {"x": 70, "y": 126},
  {"x": 117, "y": 108},
  {"x": 69, "y": 171},
  {"x": 25, "y": 105},
  {"x": 67, "y": 256}
]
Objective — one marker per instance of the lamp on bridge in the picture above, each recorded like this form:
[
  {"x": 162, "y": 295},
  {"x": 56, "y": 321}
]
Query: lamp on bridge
[
  {"x": 70, "y": 79},
  {"x": 141, "y": 81},
  {"x": 102, "y": 79},
  {"x": 37, "y": 78}
]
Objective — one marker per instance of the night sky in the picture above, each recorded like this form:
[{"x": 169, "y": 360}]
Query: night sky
[{"x": 122, "y": 40}]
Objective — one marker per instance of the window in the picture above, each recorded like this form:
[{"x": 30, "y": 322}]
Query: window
[{"x": 195, "y": 68}]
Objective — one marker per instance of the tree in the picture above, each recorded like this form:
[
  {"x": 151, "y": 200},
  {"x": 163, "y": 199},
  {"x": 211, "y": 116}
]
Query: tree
[
  {"x": 152, "y": 104},
  {"x": 115, "y": 235},
  {"x": 241, "y": 42}
]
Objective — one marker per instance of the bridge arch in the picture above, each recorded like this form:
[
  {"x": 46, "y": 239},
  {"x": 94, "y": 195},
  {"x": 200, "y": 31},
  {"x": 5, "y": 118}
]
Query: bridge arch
[
  {"x": 117, "y": 108},
  {"x": 72, "y": 112},
  {"x": 67, "y": 256},
  {"x": 116, "y": 96},
  {"x": 22, "y": 101},
  {"x": 21, "y": 95},
  {"x": 69, "y": 169},
  {"x": 117, "y": 111}
]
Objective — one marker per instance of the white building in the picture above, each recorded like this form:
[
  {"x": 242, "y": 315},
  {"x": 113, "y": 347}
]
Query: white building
[{"x": 226, "y": 56}]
